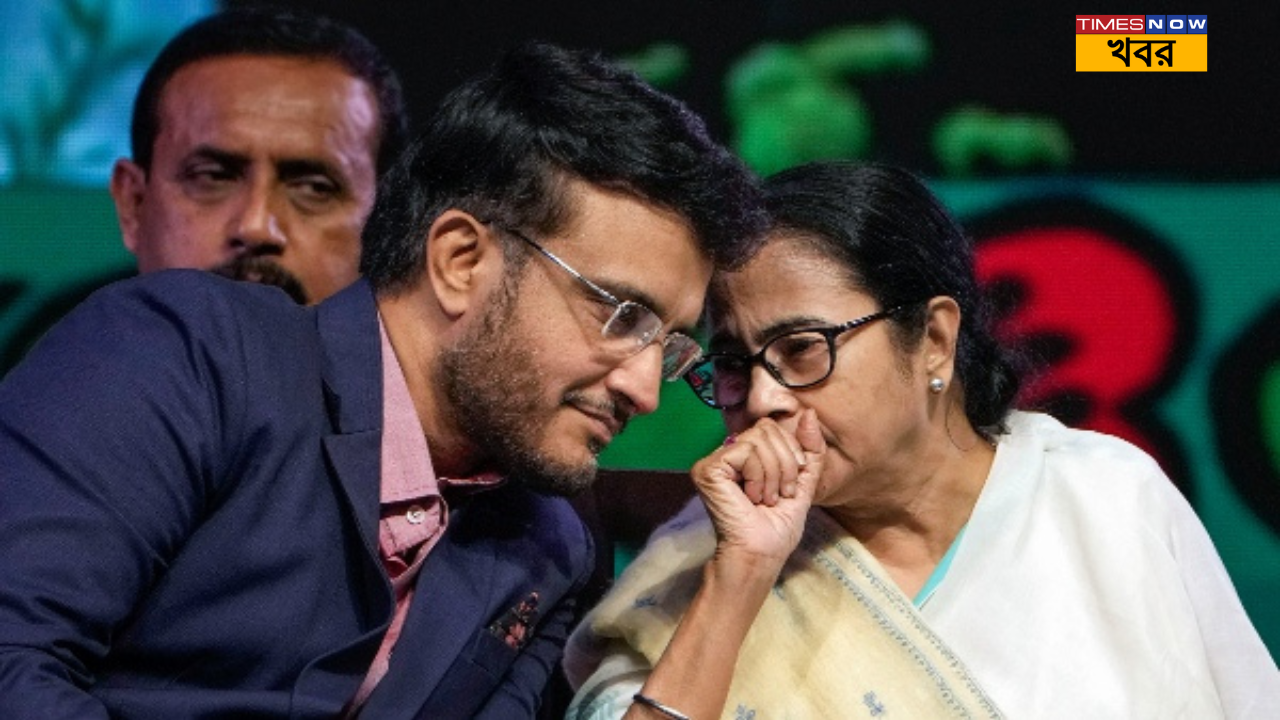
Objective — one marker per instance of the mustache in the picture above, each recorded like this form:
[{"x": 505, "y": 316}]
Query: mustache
[
  {"x": 620, "y": 410},
  {"x": 263, "y": 271}
]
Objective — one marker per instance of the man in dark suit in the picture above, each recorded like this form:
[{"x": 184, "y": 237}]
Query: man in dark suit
[{"x": 217, "y": 503}]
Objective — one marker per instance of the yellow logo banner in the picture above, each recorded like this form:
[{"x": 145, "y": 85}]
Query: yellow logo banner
[{"x": 1142, "y": 53}]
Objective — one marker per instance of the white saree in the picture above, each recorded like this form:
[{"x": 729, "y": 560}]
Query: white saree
[{"x": 1085, "y": 586}]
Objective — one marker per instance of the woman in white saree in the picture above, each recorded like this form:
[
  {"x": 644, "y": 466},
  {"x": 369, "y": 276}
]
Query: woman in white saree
[{"x": 882, "y": 536}]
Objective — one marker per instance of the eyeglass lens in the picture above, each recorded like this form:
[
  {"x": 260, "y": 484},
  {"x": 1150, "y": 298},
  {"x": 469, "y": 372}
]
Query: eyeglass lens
[
  {"x": 795, "y": 360},
  {"x": 633, "y": 327},
  {"x": 679, "y": 353},
  {"x": 633, "y": 324}
]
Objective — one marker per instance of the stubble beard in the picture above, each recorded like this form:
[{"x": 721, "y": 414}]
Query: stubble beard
[{"x": 492, "y": 383}]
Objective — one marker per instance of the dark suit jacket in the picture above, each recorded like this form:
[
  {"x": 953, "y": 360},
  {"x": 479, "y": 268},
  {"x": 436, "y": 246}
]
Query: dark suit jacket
[{"x": 188, "y": 524}]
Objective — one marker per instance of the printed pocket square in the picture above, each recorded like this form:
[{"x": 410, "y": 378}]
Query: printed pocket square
[{"x": 515, "y": 626}]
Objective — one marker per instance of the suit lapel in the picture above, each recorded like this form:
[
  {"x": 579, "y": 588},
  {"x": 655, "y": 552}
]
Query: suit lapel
[
  {"x": 354, "y": 459},
  {"x": 348, "y": 326},
  {"x": 453, "y": 599}
]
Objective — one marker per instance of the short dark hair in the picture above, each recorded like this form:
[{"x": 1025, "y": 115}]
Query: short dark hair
[
  {"x": 899, "y": 245},
  {"x": 503, "y": 145},
  {"x": 276, "y": 32}
]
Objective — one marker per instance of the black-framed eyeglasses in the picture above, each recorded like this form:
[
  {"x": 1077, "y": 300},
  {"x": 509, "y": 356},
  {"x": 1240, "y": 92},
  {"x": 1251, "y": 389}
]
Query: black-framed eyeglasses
[
  {"x": 632, "y": 327},
  {"x": 797, "y": 359}
]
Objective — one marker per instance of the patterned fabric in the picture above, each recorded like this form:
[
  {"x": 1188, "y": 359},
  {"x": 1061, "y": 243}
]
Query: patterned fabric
[{"x": 835, "y": 638}]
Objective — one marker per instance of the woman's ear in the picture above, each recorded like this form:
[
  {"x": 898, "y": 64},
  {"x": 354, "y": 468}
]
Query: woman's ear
[
  {"x": 463, "y": 259},
  {"x": 942, "y": 331}
]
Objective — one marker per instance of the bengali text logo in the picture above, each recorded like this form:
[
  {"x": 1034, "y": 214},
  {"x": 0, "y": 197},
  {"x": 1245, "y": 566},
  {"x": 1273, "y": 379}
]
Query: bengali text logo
[{"x": 1142, "y": 43}]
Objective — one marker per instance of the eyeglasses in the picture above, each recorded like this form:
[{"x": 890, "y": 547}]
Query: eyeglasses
[
  {"x": 797, "y": 359},
  {"x": 632, "y": 327}
]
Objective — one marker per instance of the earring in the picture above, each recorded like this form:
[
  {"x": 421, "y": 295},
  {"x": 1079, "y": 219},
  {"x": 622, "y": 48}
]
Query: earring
[{"x": 936, "y": 385}]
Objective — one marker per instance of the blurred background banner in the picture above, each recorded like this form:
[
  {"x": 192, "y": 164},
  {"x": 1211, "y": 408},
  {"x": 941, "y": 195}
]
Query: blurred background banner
[{"x": 1127, "y": 224}]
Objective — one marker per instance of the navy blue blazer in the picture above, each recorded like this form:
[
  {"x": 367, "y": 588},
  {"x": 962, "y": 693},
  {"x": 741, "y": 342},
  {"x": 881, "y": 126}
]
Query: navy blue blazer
[{"x": 189, "y": 473}]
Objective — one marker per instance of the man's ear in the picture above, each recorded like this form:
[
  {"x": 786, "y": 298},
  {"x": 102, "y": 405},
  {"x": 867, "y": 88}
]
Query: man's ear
[
  {"x": 941, "y": 333},
  {"x": 464, "y": 260},
  {"x": 128, "y": 190}
]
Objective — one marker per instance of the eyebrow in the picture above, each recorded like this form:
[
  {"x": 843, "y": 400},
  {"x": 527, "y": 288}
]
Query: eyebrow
[
  {"x": 286, "y": 168},
  {"x": 298, "y": 167},
  {"x": 224, "y": 157},
  {"x": 770, "y": 331},
  {"x": 627, "y": 291}
]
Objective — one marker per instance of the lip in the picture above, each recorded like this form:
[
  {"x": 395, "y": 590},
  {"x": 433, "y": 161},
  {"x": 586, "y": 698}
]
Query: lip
[{"x": 608, "y": 426}]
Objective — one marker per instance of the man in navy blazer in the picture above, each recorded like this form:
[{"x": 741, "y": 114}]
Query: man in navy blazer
[{"x": 217, "y": 503}]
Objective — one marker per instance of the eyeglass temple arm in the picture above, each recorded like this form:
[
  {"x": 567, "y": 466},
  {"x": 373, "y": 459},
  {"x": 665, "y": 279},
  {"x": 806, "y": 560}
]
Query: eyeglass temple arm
[{"x": 547, "y": 254}]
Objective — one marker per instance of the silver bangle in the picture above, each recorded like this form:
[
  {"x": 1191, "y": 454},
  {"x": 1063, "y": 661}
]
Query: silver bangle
[{"x": 650, "y": 702}]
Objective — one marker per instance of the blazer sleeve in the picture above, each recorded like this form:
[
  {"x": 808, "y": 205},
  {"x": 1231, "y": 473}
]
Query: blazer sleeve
[{"x": 111, "y": 433}]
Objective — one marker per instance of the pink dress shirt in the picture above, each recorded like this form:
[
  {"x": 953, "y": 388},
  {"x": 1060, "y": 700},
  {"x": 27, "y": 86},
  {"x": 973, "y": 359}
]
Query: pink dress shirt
[{"x": 414, "y": 514}]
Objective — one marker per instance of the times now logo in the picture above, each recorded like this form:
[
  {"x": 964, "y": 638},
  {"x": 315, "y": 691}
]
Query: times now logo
[{"x": 1142, "y": 24}]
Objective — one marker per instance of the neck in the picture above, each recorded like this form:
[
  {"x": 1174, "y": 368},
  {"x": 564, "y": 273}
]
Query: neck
[
  {"x": 912, "y": 524},
  {"x": 415, "y": 335}
]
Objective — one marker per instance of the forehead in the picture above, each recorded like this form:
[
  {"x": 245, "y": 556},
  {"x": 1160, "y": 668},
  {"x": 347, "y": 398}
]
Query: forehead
[
  {"x": 265, "y": 102},
  {"x": 787, "y": 280}
]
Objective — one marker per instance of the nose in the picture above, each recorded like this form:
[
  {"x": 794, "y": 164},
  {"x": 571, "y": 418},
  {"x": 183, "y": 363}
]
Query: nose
[
  {"x": 768, "y": 398},
  {"x": 257, "y": 229},
  {"x": 639, "y": 379}
]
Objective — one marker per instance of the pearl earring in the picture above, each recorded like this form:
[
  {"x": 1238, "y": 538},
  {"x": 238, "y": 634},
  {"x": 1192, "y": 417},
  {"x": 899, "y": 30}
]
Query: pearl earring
[{"x": 936, "y": 385}]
